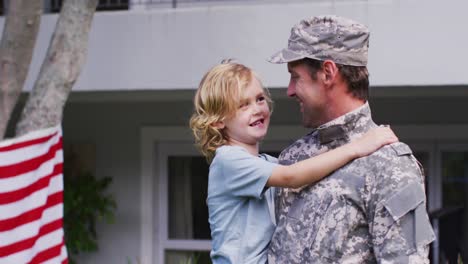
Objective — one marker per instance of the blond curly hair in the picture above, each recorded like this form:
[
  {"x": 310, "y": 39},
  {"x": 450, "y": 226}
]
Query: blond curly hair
[{"x": 217, "y": 98}]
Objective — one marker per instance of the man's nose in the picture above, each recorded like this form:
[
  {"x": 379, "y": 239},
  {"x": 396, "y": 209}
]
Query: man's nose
[{"x": 291, "y": 92}]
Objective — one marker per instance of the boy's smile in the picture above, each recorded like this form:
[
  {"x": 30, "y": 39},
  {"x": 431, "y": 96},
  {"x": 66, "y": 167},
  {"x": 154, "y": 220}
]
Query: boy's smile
[{"x": 259, "y": 122}]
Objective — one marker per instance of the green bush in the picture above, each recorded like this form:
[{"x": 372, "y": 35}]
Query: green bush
[{"x": 85, "y": 203}]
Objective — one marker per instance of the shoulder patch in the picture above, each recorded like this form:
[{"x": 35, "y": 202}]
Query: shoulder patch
[{"x": 401, "y": 149}]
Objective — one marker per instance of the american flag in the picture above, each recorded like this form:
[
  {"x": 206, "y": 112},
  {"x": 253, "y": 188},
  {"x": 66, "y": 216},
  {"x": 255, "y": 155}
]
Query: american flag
[{"x": 31, "y": 198}]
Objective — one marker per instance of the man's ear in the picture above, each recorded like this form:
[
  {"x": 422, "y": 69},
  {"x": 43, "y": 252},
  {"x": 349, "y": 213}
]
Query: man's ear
[
  {"x": 218, "y": 125},
  {"x": 330, "y": 71}
]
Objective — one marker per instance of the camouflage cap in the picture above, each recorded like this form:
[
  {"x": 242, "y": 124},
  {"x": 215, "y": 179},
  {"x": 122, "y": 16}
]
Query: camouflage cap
[{"x": 339, "y": 39}]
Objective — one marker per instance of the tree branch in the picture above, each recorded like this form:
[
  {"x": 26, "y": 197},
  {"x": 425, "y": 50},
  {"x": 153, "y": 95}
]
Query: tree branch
[
  {"x": 63, "y": 63},
  {"x": 16, "y": 49}
]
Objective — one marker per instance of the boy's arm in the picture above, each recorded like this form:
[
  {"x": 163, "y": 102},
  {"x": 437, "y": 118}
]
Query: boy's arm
[{"x": 315, "y": 168}]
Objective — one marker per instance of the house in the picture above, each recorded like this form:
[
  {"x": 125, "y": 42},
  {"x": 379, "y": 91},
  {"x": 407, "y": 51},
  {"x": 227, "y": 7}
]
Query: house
[{"x": 133, "y": 102}]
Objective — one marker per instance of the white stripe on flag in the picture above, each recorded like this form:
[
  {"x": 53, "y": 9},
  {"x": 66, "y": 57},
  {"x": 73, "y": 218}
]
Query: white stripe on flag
[
  {"x": 23, "y": 180},
  {"x": 31, "y": 229},
  {"x": 15, "y": 156},
  {"x": 35, "y": 200},
  {"x": 31, "y": 136},
  {"x": 49, "y": 240}
]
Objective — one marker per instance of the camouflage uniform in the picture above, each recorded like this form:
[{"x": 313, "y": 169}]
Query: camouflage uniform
[{"x": 371, "y": 210}]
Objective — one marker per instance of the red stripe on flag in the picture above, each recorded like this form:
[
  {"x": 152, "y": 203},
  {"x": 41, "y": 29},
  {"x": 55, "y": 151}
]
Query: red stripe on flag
[
  {"x": 14, "y": 196},
  {"x": 49, "y": 253},
  {"x": 29, "y": 165},
  {"x": 27, "y": 143},
  {"x": 29, "y": 243},
  {"x": 30, "y": 216},
  {"x": 42, "y": 154}
]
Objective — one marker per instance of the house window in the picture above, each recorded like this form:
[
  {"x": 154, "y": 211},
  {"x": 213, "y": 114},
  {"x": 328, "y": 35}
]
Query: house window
[
  {"x": 184, "y": 233},
  {"x": 453, "y": 218},
  {"x": 187, "y": 257},
  {"x": 455, "y": 178},
  {"x": 103, "y": 5},
  {"x": 187, "y": 209},
  {"x": 446, "y": 169},
  {"x": 188, "y": 184}
]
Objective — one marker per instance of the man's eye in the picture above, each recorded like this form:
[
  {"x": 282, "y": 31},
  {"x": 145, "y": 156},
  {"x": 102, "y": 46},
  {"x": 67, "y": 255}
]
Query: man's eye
[{"x": 261, "y": 99}]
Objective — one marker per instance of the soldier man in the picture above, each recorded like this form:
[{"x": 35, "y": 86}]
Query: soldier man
[{"x": 374, "y": 208}]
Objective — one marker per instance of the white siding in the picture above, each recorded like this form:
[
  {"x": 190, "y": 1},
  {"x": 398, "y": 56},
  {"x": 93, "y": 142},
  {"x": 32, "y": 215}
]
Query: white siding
[{"x": 412, "y": 42}]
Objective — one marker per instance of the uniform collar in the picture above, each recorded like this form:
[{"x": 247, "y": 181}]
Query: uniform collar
[{"x": 346, "y": 126}]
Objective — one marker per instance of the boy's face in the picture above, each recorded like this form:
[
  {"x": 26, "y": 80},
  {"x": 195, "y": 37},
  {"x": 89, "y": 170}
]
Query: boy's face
[{"x": 250, "y": 123}]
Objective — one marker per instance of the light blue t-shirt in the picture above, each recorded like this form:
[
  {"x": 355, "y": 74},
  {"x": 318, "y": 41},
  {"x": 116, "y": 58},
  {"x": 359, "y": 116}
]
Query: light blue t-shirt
[{"x": 240, "y": 206}]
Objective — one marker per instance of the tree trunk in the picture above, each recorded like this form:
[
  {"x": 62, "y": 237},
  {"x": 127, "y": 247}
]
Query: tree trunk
[
  {"x": 61, "y": 67},
  {"x": 16, "y": 49}
]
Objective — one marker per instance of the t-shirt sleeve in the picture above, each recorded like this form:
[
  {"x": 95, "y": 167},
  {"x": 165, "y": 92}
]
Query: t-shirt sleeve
[{"x": 244, "y": 174}]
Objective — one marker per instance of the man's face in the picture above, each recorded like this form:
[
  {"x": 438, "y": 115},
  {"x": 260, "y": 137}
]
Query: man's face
[{"x": 310, "y": 94}]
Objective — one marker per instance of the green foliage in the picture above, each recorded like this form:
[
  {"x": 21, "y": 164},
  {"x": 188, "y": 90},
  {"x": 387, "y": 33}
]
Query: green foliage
[
  {"x": 129, "y": 261},
  {"x": 85, "y": 203},
  {"x": 193, "y": 259}
]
